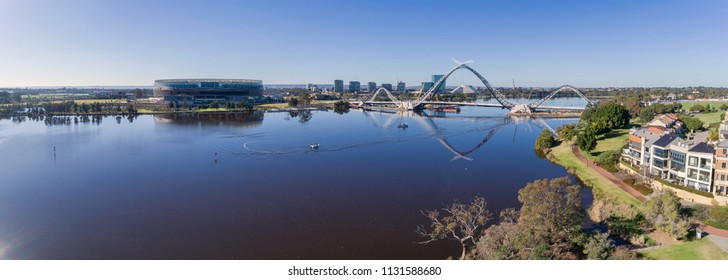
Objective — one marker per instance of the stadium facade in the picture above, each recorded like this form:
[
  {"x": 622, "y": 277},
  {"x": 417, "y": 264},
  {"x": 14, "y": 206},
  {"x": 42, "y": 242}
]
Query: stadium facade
[{"x": 204, "y": 91}]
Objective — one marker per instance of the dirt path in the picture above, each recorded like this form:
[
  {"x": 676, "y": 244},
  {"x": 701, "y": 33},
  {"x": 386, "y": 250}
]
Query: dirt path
[{"x": 634, "y": 193}]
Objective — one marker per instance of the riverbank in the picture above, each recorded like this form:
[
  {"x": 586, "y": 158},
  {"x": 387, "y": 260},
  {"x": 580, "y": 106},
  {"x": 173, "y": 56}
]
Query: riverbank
[{"x": 564, "y": 155}]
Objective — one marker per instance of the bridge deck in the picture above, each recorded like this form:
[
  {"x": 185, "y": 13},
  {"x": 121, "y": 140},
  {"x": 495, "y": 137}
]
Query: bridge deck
[{"x": 475, "y": 104}]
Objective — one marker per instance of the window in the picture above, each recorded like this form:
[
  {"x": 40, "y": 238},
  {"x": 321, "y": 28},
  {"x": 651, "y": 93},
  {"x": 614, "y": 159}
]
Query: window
[
  {"x": 724, "y": 151},
  {"x": 722, "y": 177},
  {"x": 692, "y": 161},
  {"x": 722, "y": 165}
]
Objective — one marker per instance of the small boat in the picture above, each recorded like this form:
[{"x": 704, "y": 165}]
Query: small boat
[
  {"x": 314, "y": 147},
  {"x": 403, "y": 125}
]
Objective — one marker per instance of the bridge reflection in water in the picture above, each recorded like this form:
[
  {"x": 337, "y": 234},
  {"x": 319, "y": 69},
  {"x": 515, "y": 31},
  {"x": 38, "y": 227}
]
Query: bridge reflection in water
[{"x": 495, "y": 125}]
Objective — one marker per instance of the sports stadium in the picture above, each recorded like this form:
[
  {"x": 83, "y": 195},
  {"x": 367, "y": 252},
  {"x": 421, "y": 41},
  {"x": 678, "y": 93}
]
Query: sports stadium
[{"x": 203, "y": 91}]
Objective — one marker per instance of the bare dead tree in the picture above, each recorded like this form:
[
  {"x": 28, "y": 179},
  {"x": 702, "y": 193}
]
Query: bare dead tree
[{"x": 460, "y": 222}]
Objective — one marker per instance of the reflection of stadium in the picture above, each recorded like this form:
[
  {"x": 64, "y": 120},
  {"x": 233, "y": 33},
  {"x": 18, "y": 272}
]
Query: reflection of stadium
[
  {"x": 202, "y": 91},
  {"x": 238, "y": 120}
]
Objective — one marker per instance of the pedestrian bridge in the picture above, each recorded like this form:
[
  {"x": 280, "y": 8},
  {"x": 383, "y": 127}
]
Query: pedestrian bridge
[{"x": 502, "y": 101}]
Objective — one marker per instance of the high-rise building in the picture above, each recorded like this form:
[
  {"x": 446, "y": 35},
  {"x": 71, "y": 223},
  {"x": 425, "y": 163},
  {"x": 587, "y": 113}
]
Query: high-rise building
[
  {"x": 426, "y": 86},
  {"x": 372, "y": 86},
  {"x": 339, "y": 86},
  {"x": 401, "y": 87},
  {"x": 312, "y": 87},
  {"x": 436, "y": 78},
  {"x": 387, "y": 86},
  {"x": 354, "y": 86}
]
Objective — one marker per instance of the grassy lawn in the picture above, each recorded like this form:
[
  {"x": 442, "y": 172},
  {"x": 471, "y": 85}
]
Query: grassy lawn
[
  {"x": 702, "y": 249},
  {"x": 564, "y": 157},
  {"x": 708, "y": 118},
  {"x": 91, "y": 101},
  {"x": 274, "y": 106},
  {"x": 713, "y": 104},
  {"x": 611, "y": 141},
  {"x": 213, "y": 110}
]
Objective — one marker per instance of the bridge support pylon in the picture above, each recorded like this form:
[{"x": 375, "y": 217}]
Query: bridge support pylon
[{"x": 520, "y": 109}]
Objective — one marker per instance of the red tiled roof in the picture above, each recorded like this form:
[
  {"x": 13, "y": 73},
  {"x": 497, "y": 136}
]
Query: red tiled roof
[{"x": 656, "y": 129}]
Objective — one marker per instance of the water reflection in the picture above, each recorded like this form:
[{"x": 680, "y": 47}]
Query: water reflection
[
  {"x": 169, "y": 187},
  {"x": 427, "y": 121},
  {"x": 240, "y": 120}
]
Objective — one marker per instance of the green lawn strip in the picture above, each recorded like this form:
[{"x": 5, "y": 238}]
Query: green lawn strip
[
  {"x": 708, "y": 118},
  {"x": 703, "y": 249},
  {"x": 612, "y": 141},
  {"x": 213, "y": 110},
  {"x": 563, "y": 155},
  {"x": 713, "y": 104}
]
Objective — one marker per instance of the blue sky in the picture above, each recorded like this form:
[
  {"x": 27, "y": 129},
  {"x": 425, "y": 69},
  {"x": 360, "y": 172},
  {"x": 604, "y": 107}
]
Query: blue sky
[{"x": 537, "y": 43}]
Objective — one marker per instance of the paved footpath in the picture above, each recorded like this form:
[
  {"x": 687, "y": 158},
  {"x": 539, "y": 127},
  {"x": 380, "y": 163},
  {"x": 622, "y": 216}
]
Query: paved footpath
[
  {"x": 634, "y": 193},
  {"x": 627, "y": 188}
]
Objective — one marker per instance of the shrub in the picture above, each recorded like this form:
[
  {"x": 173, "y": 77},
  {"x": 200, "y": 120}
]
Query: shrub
[
  {"x": 608, "y": 160},
  {"x": 717, "y": 216},
  {"x": 697, "y": 108},
  {"x": 544, "y": 141},
  {"x": 629, "y": 181},
  {"x": 643, "y": 188}
]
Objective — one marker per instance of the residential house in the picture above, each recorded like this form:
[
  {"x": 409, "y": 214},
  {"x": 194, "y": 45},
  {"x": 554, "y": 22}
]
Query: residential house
[{"x": 669, "y": 122}]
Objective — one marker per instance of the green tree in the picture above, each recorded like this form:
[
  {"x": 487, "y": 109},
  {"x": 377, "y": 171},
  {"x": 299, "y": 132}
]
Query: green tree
[
  {"x": 293, "y": 102},
  {"x": 662, "y": 210},
  {"x": 697, "y": 108},
  {"x": 341, "y": 107},
  {"x": 501, "y": 241},
  {"x": 587, "y": 140},
  {"x": 544, "y": 141},
  {"x": 647, "y": 114},
  {"x": 567, "y": 132},
  {"x": 691, "y": 123},
  {"x": 714, "y": 135},
  {"x": 304, "y": 99},
  {"x": 546, "y": 227},
  {"x": 607, "y": 116},
  {"x": 551, "y": 214},
  {"x": 463, "y": 223},
  {"x": 723, "y": 107},
  {"x": 599, "y": 247}
]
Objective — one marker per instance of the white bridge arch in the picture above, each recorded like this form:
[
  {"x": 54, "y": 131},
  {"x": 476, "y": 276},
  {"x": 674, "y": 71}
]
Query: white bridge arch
[{"x": 497, "y": 95}]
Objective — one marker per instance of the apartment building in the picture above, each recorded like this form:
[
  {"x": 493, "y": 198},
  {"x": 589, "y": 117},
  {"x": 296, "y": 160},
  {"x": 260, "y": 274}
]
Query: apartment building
[
  {"x": 659, "y": 151},
  {"x": 720, "y": 180},
  {"x": 640, "y": 141}
]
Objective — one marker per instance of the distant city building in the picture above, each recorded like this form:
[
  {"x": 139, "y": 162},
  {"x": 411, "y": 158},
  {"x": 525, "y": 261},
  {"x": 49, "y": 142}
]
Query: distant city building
[
  {"x": 401, "y": 87},
  {"x": 312, "y": 87},
  {"x": 387, "y": 86},
  {"x": 427, "y": 86},
  {"x": 372, "y": 86},
  {"x": 354, "y": 86},
  {"x": 339, "y": 86},
  {"x": 203, "y": 91},
  {"x": 436, "y": 78}
]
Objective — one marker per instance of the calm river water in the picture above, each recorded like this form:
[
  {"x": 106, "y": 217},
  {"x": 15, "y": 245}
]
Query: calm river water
[{"x": 248, "y": 186}]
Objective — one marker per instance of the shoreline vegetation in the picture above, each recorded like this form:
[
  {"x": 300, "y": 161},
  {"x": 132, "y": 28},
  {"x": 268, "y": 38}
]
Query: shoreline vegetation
[
  {"x": 612, "y": 202},
  {"x": 113, "y": 107}
]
